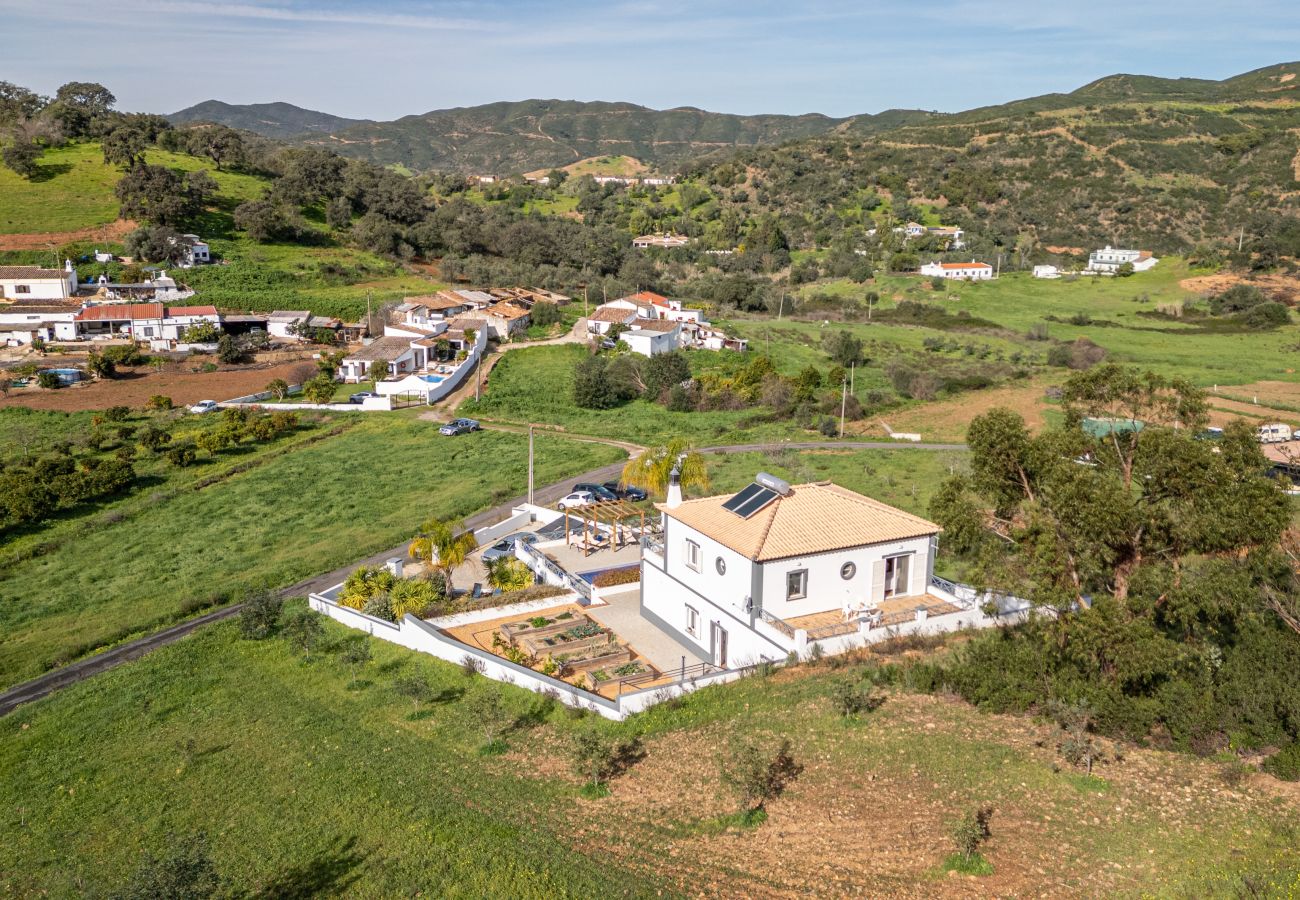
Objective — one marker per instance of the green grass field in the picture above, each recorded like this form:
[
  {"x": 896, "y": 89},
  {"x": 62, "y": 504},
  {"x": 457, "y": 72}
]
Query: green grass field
[
  {"x": 310, "y": 783},
  {"x": 74, "y": 189},
  {"x": 127, "y": 566}
]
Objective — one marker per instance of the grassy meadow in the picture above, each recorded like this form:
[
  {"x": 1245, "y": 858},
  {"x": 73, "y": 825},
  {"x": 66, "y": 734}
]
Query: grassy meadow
[
  {"x": 255, "y": 517},
  {"x": 311, "y": 779}
]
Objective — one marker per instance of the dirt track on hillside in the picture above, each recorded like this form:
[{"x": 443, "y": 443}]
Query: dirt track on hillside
[{"x": 44, "y": 240}]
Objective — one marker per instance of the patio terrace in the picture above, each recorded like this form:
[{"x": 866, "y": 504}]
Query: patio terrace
[{"x": 893, "y": 611}]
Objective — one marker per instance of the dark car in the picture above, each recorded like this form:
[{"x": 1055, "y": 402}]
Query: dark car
[
  {"x": 599, "y": 491},
  {"x": 624, "y": 493},
  {"x": 460, "y": 426}
]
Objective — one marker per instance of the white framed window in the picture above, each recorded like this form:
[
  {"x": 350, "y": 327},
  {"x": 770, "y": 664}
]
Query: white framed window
[
  {"x": 692, "y": 621},
  {"x": 796, "y": 584},
  {"x": 693, "y": 555}
]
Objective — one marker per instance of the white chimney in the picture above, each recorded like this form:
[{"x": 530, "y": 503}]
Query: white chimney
[{"x": 674, "y": 488}]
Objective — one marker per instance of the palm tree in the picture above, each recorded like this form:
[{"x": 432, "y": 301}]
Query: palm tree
[
  {"x": 652, "y": 468},
  {"x": 508, "y": 574},
  {"x": 443, "y": 546}
]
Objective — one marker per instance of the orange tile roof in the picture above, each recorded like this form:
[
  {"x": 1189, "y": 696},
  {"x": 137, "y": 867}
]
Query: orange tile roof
[
  {"x": 438, "y": 301},
  {"x": 612, "y": 314},
  {"x": 191, "y": 310},
  {"x": 120, "y": 312},
  {"x": 969, "y": 265},
  {"x": 648, "y": 297},
  {"x": 507, "y": 311},
  {"x": 819, "y": 517}
]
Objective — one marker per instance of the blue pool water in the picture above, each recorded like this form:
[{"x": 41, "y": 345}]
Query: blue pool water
[{"x": 430, "y": 379}]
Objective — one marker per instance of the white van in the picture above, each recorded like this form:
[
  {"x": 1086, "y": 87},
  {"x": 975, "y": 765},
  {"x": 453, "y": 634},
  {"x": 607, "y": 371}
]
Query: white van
[{"x": 1273, "y": 433}]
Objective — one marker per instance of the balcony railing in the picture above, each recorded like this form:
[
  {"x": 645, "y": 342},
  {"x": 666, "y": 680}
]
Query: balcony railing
[{"x": 778, "y": 623}]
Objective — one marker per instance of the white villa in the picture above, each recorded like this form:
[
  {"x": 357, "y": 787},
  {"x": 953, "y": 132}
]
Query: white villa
[
  {"x": 196, "y": 251},
  {"x": 24, "y": 283},
  {"x": 1047, "y": 272},
  {"x": 419, "y": 355},
  {"x": 647, "y": 313},
  {"x": 1108, "y": 260},
  {"x": 971, "y": 271},
  {"x": 660, "y": 241},
  {"x": 737, "y": 577}
]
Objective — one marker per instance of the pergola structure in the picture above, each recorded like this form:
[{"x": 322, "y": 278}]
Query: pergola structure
[{"x": 614, "y": 513}]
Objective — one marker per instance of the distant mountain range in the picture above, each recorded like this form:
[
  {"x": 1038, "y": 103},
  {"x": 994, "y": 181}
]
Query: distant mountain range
[{"x": 514, "y": 137}]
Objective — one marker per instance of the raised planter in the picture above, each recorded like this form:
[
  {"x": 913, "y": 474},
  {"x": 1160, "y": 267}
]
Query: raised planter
[
  {"x": 514, "y": 630},
  {"x": 590, "y": 663},
  {"x": 595, "y": 681},
  {"x": 539, "y": 646}
]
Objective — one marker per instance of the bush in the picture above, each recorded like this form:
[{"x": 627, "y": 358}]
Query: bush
[
  {"x": 260, "y": 615},
  {"x": 600, "y": 756},
  {"x": 757, "y": 774},
  {"x": 48, "y": 380},
  {"x": 1285, "y": 764},
  {"x": 364, "y": 583},
  {"x": 117, "y": 413},
  {"x": 182, "y": 456},
  {"x": 158, "y": 401},
  {"x": 849, "y": 699},
  {"x": 971, "y": 831},
  {"x": 545, "y": 314}
]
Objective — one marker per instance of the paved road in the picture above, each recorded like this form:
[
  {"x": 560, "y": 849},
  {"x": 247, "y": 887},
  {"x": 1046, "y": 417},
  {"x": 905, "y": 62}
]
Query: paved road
[{"x": 101, "y": 662}]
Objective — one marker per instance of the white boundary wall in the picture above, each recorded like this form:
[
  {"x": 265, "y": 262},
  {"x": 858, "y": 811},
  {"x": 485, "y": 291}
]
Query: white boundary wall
[{"x": 420, "y": 636}]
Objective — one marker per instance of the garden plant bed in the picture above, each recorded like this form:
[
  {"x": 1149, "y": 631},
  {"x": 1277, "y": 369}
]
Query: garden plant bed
[
  {"x": 587, "y": 664},
  {"x": 557, "y": 648},
  {"x": 610, "y": 676},
  {"x": 552, "y": 625}
]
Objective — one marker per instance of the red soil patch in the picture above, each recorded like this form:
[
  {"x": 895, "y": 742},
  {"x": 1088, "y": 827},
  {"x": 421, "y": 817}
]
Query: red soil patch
[
  {"x": 1282, "y": 288},
  {"x": 112, "y": 232},
  {"x": 137, "y": 385}
]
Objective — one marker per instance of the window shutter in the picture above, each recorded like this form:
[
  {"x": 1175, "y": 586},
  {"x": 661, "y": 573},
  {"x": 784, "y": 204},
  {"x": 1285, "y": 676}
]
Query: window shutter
[
  {"x": 878, "y": 581},
  {"x": 904, "y": 566}
]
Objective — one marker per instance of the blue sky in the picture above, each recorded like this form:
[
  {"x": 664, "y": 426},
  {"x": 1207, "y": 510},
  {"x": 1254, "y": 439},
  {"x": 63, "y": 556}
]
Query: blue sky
[{"x": 839, "y": 57}]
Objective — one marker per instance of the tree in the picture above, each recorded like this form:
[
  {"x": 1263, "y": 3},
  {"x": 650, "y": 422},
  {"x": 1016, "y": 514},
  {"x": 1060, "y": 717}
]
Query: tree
[
  {"x": 443, "y": 545},
  {"x": 218, "y": 143},
  {"x": 124, "y": 146},
  {"x": 203, "y": 332},
  {"x": 228, "y": 351},
  {"x": 1075, "y": 741},
  {"x": 182, "y": 871},
  {"x": 356, "y": 653},
  {"x": 595, "y": 385},
  {"x": 22, "y": 156},
  {"x": 844, "y": 348},
  {"x": 156, "y": 243},
  {"x": 651, "y": 470},
  {"x": 266, "y": 220},
  {"x": 757, "y": 774},
  {"x": 665, "y": 371},
  {"x": 319, "y": 389},
  {"x": 600, "y": 756},
  {"x": 100, "y": 365},
  {"x": 48, "y": 380},
  {"x": 970, "y": 832},
  {"x": 260, "y": 614},
  {"x": 277, "y": 388},
  {"x": 485, "y": 708},
  {"x": 1151, "y": 499},
  {"x": 414, "y": 687},
  {"x": 304, "y": 630},
  {"x": 157, "y": 194}
]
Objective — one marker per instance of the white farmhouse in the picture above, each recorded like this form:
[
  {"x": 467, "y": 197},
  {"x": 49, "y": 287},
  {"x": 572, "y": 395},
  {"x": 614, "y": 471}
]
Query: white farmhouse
[
  {"x": 1108, "y": 260},
  {"x": 650, "y": 337},
  {"x": 736, "y": 577},
  {"x": 971, "y": 271},
  {"x": 26, "y": 283},
  {"x": 195, "y": 251},
  {"x": 21, "y": 323},
  {"x": 1047, "y": 272}
]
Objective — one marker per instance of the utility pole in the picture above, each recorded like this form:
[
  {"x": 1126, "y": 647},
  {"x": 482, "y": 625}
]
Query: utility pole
[
  {"x": 1241, "y": 238},
  {"x": 369, "y": 314},
  {"x": 853, "y": 371},
  {"x": 780, "y": 307},
  {"x": 585, "y": 288},
  {"x": 844, "y": 399},
  {"x": 530, "y": 463}
]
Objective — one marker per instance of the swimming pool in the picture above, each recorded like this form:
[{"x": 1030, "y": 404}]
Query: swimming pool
[{"x": 430, "y": 379}]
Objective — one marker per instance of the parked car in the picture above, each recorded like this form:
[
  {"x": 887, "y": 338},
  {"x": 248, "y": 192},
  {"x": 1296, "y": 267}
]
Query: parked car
[
  {"x": 608, "y": 344},
  {"x": 204, "y": 406},
  {"x": 599, "y": 491},
  {"x": 1273, "y": 433},
  {"x": 359, "y": 396},
  {"x": 577, "y": 498},
  {"x": 506, "y": 546},
  {"x": 460, "y": 426},
  {"x": 624, "y": 493}
]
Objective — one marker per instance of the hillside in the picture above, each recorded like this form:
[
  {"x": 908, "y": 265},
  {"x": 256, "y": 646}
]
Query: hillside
[
  {"x": 273, "y": 120},
  {"x": 511, "y": 137}
]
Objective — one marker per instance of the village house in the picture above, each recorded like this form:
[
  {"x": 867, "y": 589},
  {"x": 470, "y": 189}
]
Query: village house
[
  {"x": 432, "y": 308},
  {"x": 603, "y": 318},
  {"x": 650, "y": 337},
  {"x": 22, "y": 323},
  {"x": 297, "y": 324},
  {"x": 152, "y": 322},
  {"x": 195, "y": 250},
  {"x": 1108, "y": 260},
  {"x": 735, "y": 577},
  {"x": 1047, "y": 272},
  {"x": 505, "y": 320},
  {"x": 971, "y": 271},
  {"x": 528, "y": 296},
  {"x": 27, "y": 283},
  {"x": 660, "y": 241},
  {"x": 474, "y": 299}
]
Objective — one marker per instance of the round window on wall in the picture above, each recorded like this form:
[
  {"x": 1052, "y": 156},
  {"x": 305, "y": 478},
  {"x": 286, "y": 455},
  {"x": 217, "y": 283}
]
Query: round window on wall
[
  {"x": 848, "y": 570},
  {"x": 721, "y": 565}
]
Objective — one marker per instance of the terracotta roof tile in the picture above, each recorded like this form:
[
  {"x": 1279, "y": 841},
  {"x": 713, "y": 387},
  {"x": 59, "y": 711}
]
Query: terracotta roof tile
[
  {"x": 820, "y": 517},
  {"x": 35, "y": 272},
  {"x": 119, "y": 312},
  {"x": 612, "y": 314},
  {"x": 385, "y": 348}
]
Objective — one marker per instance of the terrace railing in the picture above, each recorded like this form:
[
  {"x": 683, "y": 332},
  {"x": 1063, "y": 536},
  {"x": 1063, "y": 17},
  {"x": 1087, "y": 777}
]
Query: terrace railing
[{"x": 779, "y": 624}]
